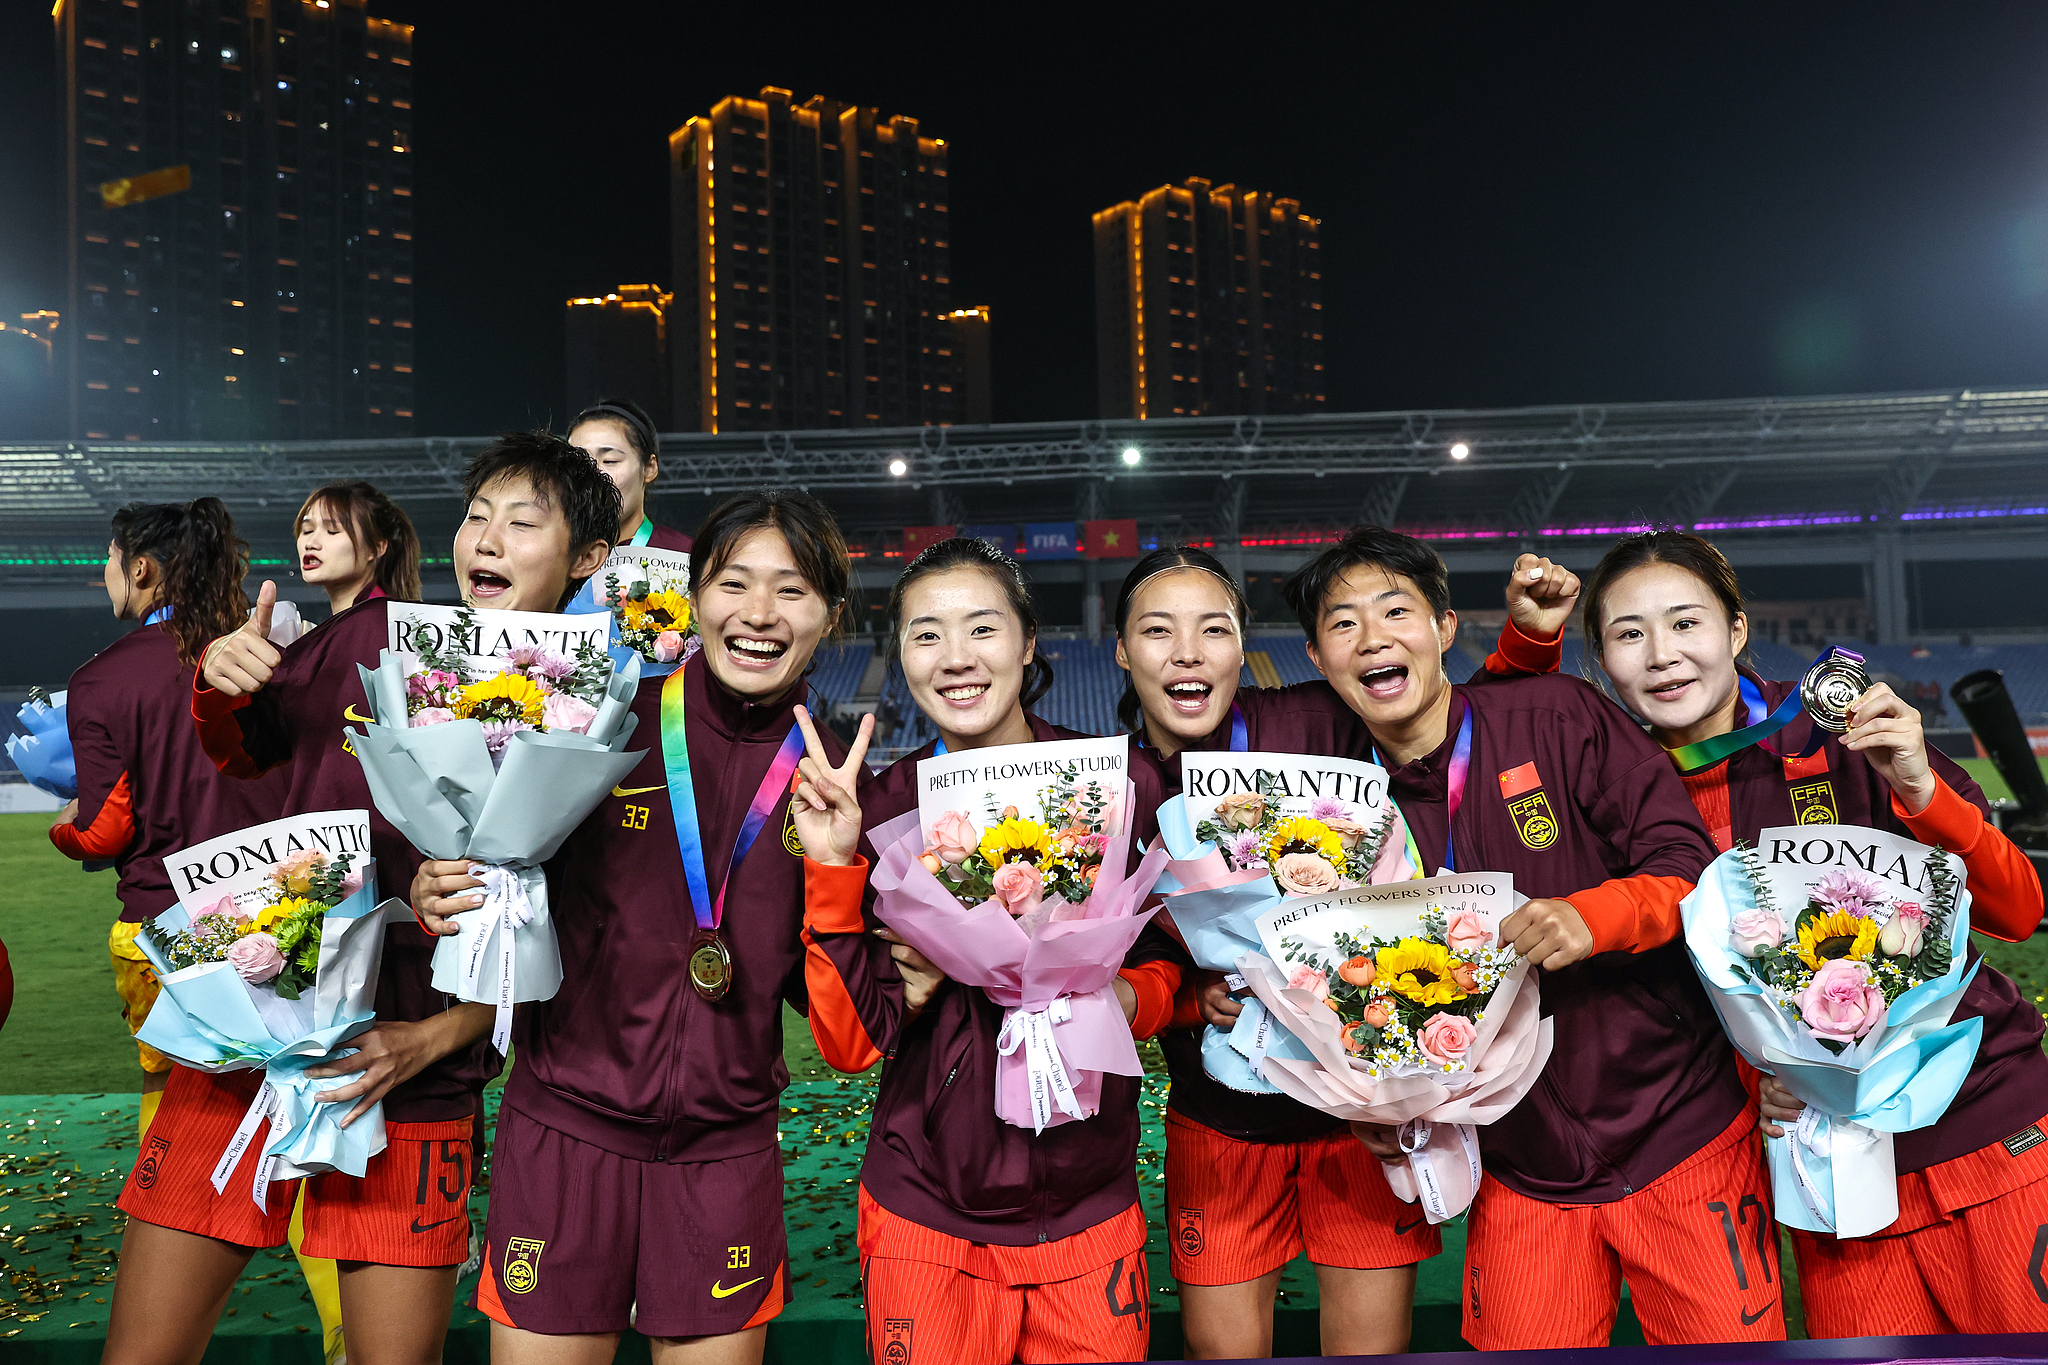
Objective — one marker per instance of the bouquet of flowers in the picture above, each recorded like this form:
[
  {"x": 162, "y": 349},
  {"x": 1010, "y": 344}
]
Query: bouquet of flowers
[
  {"x": 1034, "y": 907},
  {"x": 44, "y": 754},
  {"x": 493, "y": 734},
  {"x": 1835, "y": 958},
  {"x": 270, "y": 961},
  {"x": 647, "y": 593},
  {"x": 1248, "y": 831},
  {"x": 1399, "y": 1009}
]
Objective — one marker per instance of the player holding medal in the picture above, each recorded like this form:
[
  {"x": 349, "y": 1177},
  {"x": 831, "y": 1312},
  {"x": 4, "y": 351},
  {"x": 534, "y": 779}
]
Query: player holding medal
[
  {"x": 1663, "y": 617},
  {"x": 637, "y": 1182},
  {"x": 979, "y": 1240}
]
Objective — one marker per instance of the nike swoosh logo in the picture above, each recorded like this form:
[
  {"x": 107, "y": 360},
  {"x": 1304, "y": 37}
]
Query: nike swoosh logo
[
  {"x": 1751, "y": 1319},
  {"x": 718, "y": 1293},
  {"x": 349, "y": 712},
  {"x": 418, "y": 1226},
  {"x": 635, "y": 791},
  {"x": 1403, "y": 1229}
]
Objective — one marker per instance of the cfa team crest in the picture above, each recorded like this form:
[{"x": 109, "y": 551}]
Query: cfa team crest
[
  {"x": 1189, "y": 1233},
  {"x": 896, "y": 1334},
  {"x": 1813, "y": 803},
  {"x": 522, "y": 1263},
  {"x": 1534, "y": 820},
  {"x": 790, "y": 843}
]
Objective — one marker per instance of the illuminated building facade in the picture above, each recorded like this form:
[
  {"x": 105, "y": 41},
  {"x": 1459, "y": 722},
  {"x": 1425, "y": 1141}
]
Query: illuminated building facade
[
  {"x": 970, "y": 349},
  {"x": 1208, "y": 302},
  {"x": 273, "y": 299},
  {"x": 811, "y": 268},
  {"x": 618, "y": 348}
]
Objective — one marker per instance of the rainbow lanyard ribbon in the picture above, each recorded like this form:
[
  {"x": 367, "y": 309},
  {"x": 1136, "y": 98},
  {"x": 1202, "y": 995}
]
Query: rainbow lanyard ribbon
[
  {"x": 646, "y": 531},
  {"x": 1454, "y": 792},
  {"x": 160, "y": 614},
  {"x": 1692, "y": 758},
  {"x": 682, "y": 800}
]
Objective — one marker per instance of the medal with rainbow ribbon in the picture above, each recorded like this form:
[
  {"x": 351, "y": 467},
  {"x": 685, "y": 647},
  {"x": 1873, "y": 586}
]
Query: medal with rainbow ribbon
[{"x": 1825, "y": 694}]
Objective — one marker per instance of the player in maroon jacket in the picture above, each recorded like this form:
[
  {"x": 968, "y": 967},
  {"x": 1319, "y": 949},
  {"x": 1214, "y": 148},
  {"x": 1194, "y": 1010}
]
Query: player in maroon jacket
[
  {"x": 636, "y": 1180},
  {"x": 1641, "y": 1121},
  {"x": 355, "y": 543},
  {"x": 620, "y": 436},
  {"x": 979, "y": 1240},
  {"x": 1664, "y": 620},
  {"x": 537, "y": 517}
]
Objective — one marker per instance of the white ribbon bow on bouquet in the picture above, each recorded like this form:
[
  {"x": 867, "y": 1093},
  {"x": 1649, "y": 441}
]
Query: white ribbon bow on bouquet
[
  {"x": 1050, "y": 1084},
  {"x": 1422, "y": 1178},
  {"x": 506, "y": 908}
]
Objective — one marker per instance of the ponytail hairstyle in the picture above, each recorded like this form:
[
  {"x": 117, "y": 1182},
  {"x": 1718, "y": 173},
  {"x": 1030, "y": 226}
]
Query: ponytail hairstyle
[
  {"x": 203, "y": 563},
  {"x": 1681, "y": 550},
  {"x": 1130, "y": 710},
  {"x": 370, "y": 515},
  {"x": 961, "y": 552},
  {"x": 630, "y": 415},
  {"x": 804, "y": 523}
]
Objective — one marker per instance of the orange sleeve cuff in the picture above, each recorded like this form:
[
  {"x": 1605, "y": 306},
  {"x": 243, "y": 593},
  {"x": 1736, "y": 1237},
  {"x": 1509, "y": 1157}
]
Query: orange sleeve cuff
[
  {"x": 2005, "y": 891},
  {"x": 1187, "y": 1001},
  {"x": 1154, "y": 984},
  {"x": 832, "y": 896},
  {"x": 220, "y": 735},
  {"x": 112, "y": 830},
  {"x": 1632, "y": 914},
  {"x": 1519, "y": 653}
]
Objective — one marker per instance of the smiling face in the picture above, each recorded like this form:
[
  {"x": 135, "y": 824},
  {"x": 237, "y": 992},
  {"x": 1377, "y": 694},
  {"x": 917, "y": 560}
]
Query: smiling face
[
  {"x": 1668, "y": 646},
  {"x": 513, "y": 551},
  {"x": 1380, "y": 647},
  {"x": 328, "y": 553},
  {"x": 964, "y": 653},
  {"x": 1183, "y": 647},
  {"x": 759, "y": 617},
  {"x": 611, "y": 445}
]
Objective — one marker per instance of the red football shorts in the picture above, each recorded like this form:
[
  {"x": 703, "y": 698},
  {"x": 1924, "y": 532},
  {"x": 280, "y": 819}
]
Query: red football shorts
[
  {"x": 1980, "y": 1267},
  {"x": 1238, "y": 1210},
  {"x": 1698, "y": 1247},
  {"x": 939, "y": 1299},
  {"x": 410, "y": 1208}
]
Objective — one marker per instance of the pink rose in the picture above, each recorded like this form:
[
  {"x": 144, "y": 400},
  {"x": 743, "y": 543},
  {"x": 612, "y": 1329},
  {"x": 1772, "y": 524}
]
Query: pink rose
[
  {"x": 668, "y": 646},
  {"x": 1310, "y": 979},
  {"x": 1903, "y": 932},
  {"x": 1755, "y": 932},
  {"x": 1019, "y": 887},
  {"x": 1841, "y": 1003},
  {"x": 1446, "y": 1038},
  {"x": 255, "y": 958},
  {"x": 1305, "y": 874},
  {"x": 1379, "y": 1012},
  {"x": 1465, "y": 932},
  {"x": 224, "y": 906},
  {"x": 954, "y": 837},
  {"x": 564, "y": 711},
  {"x": 1359, "y": 971},
  {"x": 431, "y": 715}
]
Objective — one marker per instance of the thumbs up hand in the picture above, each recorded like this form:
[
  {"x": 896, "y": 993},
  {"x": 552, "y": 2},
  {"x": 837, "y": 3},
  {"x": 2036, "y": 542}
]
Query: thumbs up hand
[{"x": 242, "y": 663}]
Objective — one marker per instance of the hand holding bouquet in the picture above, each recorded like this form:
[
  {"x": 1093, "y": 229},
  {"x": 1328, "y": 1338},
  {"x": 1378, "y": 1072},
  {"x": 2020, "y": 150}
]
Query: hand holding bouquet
[
  {"x": 494, "y": 734},
  {"x": 1835, "y": 958},
  {"x": 271, "y": 961}
]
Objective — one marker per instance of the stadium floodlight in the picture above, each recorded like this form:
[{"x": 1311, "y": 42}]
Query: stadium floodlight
[
  {"x": 1132, "y": 454},
  {"x": 1460, "y": 450},
  {"x": 898, "y": 467}
]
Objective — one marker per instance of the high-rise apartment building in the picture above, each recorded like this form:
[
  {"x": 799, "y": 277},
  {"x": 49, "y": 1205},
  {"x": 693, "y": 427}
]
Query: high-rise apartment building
[
  {"x": 273, "y": 298},
  {"x": 1208, "y": 302},
  {"x": 812, "y": 269},
  {"x": 618, "y": 348}
]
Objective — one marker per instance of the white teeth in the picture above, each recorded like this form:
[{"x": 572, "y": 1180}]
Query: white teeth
[
  {"x": 768, "y": 647},
  {"x": 962, "y": 693},
  {"x": 1193, "y": 688}
]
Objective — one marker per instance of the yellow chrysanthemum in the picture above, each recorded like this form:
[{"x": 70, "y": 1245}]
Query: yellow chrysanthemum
[
  {"x": 1419, "y": 970},
  {"x": 1837, "y": 934},
  {"x": 270, "y": 916},
  {"x": 1303, "y": 835},
  {"x": 523, "y": 694},
  {"x": 658, "y": 611},
  {"x": 1016, "y": 841}
]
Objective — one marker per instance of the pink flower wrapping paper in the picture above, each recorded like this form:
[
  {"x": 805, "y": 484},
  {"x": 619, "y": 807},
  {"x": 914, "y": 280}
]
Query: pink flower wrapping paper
[{"x": 1030, "y": 965}]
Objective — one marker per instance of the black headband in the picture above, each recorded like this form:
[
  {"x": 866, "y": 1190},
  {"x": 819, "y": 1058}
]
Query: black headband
[{"x": 650, "y": 443}]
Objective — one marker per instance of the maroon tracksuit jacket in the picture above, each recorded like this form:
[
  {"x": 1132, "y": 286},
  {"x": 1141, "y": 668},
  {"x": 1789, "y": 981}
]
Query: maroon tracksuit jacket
[
  {"x": 297, "y": 724},
  {"x": 667, "y": 538},
  {"x": 627, "y": 1056},
  {"x": 937, "y": 1154},
  {"x": 130, "y": 714}
]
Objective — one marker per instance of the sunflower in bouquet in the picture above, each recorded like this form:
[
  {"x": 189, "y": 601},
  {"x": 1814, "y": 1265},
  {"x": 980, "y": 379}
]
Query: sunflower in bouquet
[
  {"x": 1852, "y": 949},
  {"x": 1023, "y": 860},
  {"x": 278, "y": 945},
  {"x": 652, "y": 616},
  {"x": 537, "y": 689},
  {"x": 1408, "y": 1005},
  {"x": 1307, "y": 855}
]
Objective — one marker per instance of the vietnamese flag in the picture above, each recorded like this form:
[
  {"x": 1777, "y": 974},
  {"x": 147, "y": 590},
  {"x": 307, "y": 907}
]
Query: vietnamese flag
[
  {"x": 916, "y": 538},
  {"x": 1109, "y": 539}
]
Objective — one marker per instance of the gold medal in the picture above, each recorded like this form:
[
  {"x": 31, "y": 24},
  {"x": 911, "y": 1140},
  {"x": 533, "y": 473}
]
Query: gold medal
[
  {"x": 710, "y": 965},
  {"x": 1830, "y": 688}
]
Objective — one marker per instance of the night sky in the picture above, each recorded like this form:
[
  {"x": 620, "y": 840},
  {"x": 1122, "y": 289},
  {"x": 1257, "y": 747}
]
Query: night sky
[{"x": 1518, "y": 205}]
